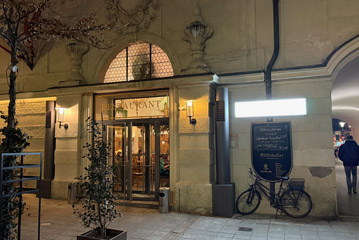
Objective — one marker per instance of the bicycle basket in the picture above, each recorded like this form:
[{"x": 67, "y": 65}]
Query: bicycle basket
[{"x": 296, "y": 184}]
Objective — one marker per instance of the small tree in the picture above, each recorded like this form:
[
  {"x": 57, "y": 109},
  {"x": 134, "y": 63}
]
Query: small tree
[
  {"x": 23, "y": 24},
  {"x": 98, "y": 206},
  {"x": 14, "y": 141}
]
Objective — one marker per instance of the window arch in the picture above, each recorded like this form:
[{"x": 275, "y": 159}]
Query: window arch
[{"x": 139, "y": 61}]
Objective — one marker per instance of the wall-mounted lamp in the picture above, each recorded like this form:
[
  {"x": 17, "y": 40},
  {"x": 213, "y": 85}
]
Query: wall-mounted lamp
[
  {"x": 60, "y": 115},
  {"x": 190, "y": 112}
]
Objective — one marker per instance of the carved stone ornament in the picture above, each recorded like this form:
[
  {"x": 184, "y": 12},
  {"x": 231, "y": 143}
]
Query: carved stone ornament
[
  {"x": 76, "y": 51},
  {"x": 141, "y": 13},
  {"x": 197, "y": 33},
  {"x": 67, "y": 4}
]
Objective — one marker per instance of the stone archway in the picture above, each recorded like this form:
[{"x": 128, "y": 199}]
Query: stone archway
[
  {"x": 345, "y": 106},
  {"x": 345, "y": 95}
]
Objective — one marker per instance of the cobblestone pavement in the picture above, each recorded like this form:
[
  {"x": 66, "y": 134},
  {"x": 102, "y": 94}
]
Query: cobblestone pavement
[{"x": 58, "y": 222}]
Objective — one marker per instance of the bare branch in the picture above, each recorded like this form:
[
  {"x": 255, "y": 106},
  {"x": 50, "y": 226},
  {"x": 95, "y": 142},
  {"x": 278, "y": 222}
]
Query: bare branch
[
  {"x": 5, "y": 37},
  {"x": 30, "y": 21}
]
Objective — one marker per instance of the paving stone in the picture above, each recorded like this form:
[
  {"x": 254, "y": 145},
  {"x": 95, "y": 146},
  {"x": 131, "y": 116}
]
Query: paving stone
[{"x": 59, "y": 223}]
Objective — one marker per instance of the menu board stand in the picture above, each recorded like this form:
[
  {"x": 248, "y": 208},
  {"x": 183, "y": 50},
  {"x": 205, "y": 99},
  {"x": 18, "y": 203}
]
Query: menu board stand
[{"x": 271, "y": 150}]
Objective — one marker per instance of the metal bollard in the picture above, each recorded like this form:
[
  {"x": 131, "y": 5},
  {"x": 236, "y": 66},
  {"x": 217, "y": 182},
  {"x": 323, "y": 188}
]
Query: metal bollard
[
  {"x": 164, "y": 193},
  {"x": 72, "y": 192}
]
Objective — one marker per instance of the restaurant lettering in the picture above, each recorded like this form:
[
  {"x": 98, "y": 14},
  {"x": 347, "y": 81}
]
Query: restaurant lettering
[
  {"x": 137, "y": 108},
  {"x": 131, "y": 105}
]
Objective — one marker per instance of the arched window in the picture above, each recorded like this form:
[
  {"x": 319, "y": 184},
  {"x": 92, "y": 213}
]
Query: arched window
[{"x": 138, "y": 62}]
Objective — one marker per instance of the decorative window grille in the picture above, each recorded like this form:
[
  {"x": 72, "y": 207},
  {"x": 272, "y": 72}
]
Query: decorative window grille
[{"x": 139, "y": 61}]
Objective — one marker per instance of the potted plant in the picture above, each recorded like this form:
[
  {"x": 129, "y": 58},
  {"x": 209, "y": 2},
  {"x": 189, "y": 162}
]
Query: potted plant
[{"x": 98, "y": 206}]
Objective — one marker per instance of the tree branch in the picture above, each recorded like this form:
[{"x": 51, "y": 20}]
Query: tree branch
[{"x": 5, "y": 37}]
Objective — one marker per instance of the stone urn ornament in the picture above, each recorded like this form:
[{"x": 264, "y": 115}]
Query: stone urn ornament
[
  {"x": 76, "y": 50},
  {"x": 197, "y": 33}
]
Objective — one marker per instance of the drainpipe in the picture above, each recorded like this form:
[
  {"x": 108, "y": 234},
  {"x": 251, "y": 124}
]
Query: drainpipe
[
  {"x": 223, "y": 167},
  {"x": 268, "y": 71},
  {"x": 48, "y": 162},
  {"x": 223, "y": 190}
]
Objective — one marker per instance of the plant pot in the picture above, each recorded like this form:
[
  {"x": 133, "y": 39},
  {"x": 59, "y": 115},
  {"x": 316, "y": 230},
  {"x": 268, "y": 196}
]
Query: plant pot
[{"x": 111, "y": 235}]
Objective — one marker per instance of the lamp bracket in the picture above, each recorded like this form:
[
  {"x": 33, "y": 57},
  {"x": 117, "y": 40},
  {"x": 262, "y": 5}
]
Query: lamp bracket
[
  {"x": 66, "y": 126},
  {"x": 192, "y": 120}
]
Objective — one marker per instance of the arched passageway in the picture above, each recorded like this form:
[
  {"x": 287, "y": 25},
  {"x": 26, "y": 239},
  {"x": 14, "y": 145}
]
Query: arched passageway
[{"x": 345, "y": 106}]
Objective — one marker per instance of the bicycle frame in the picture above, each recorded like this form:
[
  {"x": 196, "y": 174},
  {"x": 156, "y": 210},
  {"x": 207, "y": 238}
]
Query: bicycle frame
[
  {"x": 286, "y": 199},
  {"x": 258, "y": 185}
]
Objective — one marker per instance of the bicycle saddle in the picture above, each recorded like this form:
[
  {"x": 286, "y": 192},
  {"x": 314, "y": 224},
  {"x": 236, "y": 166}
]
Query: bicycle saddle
[{"x": 284, "y": 178}]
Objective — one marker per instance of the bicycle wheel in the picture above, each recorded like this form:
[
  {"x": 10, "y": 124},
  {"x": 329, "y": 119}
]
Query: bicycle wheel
[
  {"x": 295, "y": 203},
  {"x": 248, "y": 201}
]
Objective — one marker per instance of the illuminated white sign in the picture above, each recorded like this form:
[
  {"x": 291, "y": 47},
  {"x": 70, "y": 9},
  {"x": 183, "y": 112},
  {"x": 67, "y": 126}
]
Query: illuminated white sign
[{"x": 271, "y": 108}]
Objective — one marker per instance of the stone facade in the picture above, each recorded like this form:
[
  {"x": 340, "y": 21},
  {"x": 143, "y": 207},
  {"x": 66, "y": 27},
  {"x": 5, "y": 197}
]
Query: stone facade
[
  {"x": 316, "y": 37},
  {"x": 31, "y": 115}
]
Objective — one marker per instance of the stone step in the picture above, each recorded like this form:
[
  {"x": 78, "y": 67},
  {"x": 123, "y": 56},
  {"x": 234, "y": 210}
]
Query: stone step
[{"x": 139, "y": 204}]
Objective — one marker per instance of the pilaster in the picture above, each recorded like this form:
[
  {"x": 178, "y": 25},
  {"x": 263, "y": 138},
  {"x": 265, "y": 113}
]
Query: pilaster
[
  {"x": 193, "y": 192},
  {"x": 68, "y": 149}
]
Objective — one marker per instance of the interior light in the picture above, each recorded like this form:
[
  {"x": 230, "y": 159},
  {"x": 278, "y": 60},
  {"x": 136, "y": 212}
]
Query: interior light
[{"x": 271, "y": 108}]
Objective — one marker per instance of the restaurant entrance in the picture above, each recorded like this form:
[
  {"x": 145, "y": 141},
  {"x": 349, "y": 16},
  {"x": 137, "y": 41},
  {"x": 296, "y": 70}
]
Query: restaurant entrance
[{"x": 140, "y": 155}]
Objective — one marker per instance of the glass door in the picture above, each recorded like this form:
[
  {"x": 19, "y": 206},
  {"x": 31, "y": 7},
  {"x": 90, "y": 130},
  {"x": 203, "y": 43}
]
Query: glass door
[
  {"x": 141, "y": 158},
  {"x": 121, "y": 152},
  {"x": 145, "y": 161}
]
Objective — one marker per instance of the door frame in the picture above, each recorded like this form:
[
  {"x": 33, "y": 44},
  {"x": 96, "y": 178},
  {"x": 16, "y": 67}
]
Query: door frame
[{"x": 129, "y": 123}]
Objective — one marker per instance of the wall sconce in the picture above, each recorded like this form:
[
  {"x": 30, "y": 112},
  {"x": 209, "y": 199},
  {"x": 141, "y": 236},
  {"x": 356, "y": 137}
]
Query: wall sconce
[
  {"x": 190, "y": 112},
  {"x": 60, "y": 115}
]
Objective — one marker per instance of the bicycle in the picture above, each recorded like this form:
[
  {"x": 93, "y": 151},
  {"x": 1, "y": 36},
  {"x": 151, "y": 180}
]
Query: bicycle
[{"x": 293, "y": 200}]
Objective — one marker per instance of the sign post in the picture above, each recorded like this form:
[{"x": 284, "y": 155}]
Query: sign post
[{"x": 271, "y": 150}]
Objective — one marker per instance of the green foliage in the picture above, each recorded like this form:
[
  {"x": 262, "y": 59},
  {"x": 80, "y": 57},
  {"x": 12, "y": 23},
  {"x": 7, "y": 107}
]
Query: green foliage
[
  {"x": 98, "y": 206},
  {"x": 14, "y": 141},
  {"x": 121, "y": 110}
]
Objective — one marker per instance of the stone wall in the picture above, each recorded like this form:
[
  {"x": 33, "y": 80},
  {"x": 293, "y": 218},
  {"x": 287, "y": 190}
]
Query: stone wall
[
  {"x": 68, "y": 150},
  {"x": 242, "y": 39},
  {"x": 31, "y": 115},
  {"x": 312, "y": 148},
  {"x": 195, "y": 162}
]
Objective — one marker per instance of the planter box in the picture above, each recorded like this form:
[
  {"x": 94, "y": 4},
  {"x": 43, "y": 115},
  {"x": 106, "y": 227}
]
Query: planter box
[{"x": 111, "y": 235}]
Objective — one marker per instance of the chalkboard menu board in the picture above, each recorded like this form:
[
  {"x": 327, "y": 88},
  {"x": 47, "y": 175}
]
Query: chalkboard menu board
[{"x": 271, "y": 149}]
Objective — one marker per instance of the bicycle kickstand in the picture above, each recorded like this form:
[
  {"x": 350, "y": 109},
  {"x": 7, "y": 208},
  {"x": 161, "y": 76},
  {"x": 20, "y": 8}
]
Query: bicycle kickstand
[{"x": 276, "y": 213}]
